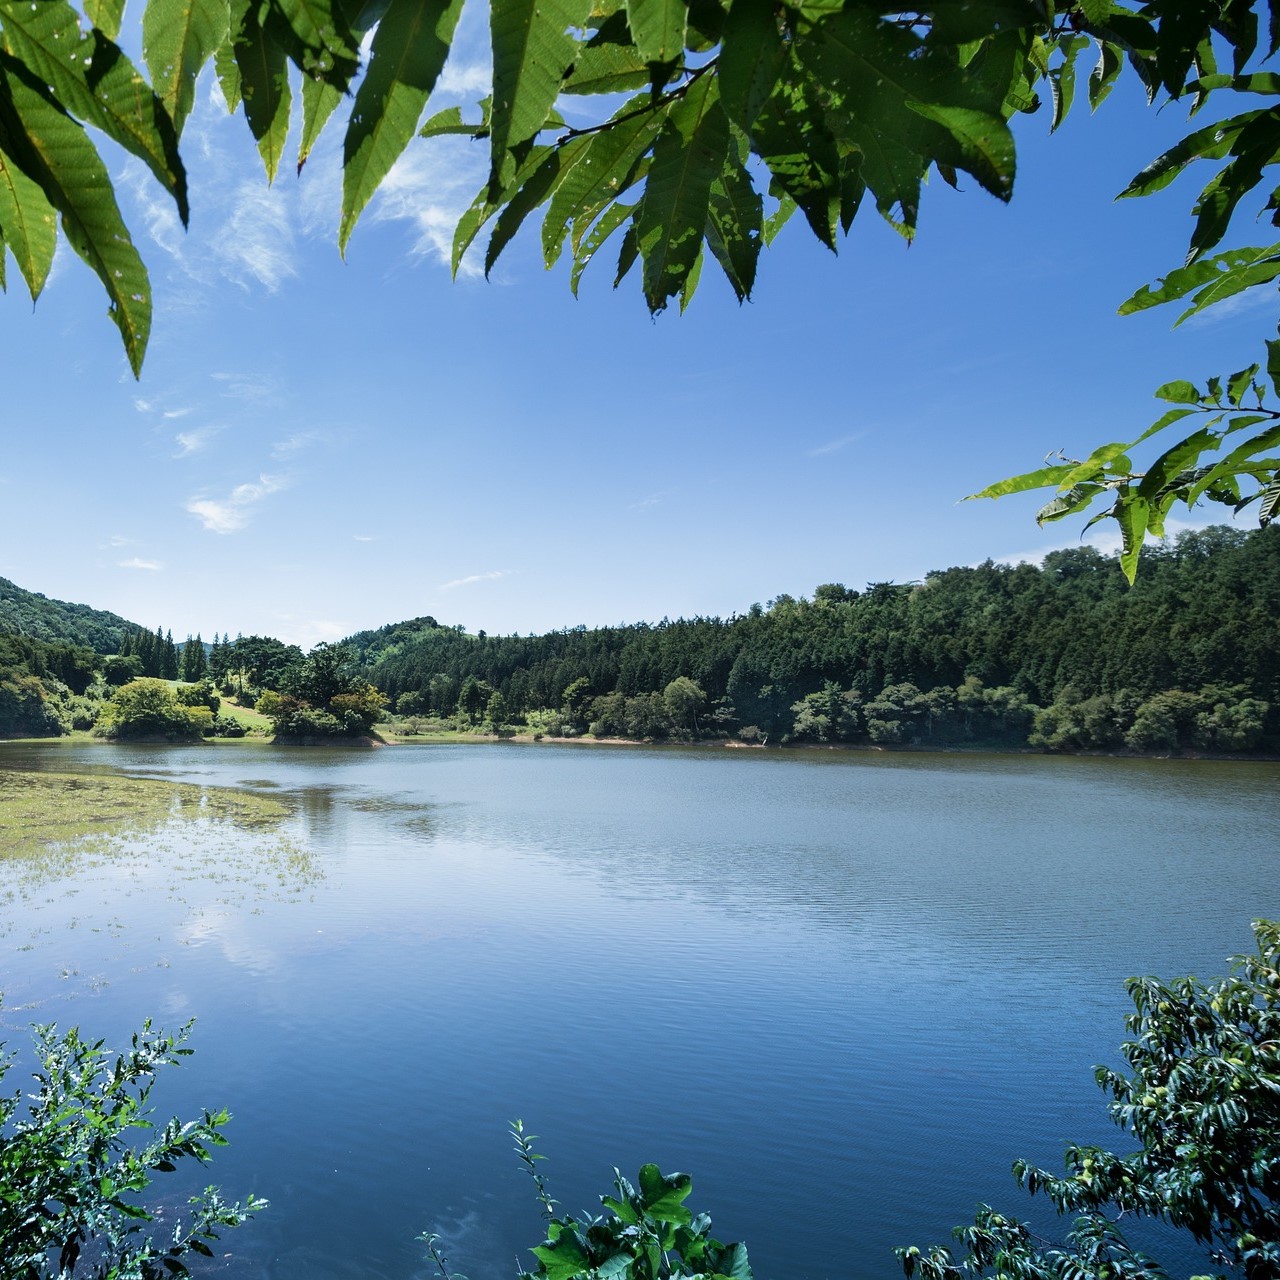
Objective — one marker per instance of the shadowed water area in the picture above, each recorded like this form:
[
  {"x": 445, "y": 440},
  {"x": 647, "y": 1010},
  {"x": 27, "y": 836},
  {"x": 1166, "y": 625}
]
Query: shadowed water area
[{"x": 843, "y": 990}]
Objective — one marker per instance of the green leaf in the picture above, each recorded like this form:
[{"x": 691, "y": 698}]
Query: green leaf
[
  {"x": 606, "y": 68},
  {"x": 602, "y": 171},
  {"x": 778, "y": 218},
  {"x": 751, "y": 60},
  {"x": 663, "y": 1195},
  {"x": 317, "y": 35},
  {"x": 1239, "y": 383},
  {"x": 105, "y": 15},
  {"x": 627, "y": 254},
  {"x": 450, "y": 121},
  {"x": 1075, "y": 499},
  {"x": 536, "y": 189},
  {"x": 1102, "y": 78},
  {"x": 409, "y": 49},
  {"x": 1213, "y": 142},
  {"x": 793, "y": 139},
  {"x": 1165, "y": 420},
  {"x": 54, "y": 151},
  {"x": 28, "y": 225},
  {"x": 735, "y": 213},
  {"x": 658, "y": 27},
  {"x": 687, "y": 157},
  {"x": 178, "y": 38},
  {"x": 690, "y": 285},
  {"x": 264, "y": 83},
  {"x": 224, "y": 66},
  {"x": 984, "y": 141},
  {"x": 1235, "y": 462},
  {"x": 483, "y": 207},
  {"x": 1020, "y": 484},
  {"x": 564, "y": 1258},
  {"x": 1174, "y": 461},
  {"x": 612, "y": 218},
  {"x": 1179, "y": 392},
  {"x": 1132, "y": 513},
  {"x": 94, "y": 81},
  {"x": 1270, "y": 502},
  {"x": 532, "y": 49},
  {"x": 319, "y": 101},
  {"x": 1216, "y": 278}
]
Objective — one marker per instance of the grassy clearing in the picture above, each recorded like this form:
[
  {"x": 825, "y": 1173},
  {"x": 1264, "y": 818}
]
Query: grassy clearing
[{"x": 243, "y": 715}]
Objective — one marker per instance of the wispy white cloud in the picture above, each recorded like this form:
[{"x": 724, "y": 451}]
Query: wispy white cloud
[
  {"x": 464, "y": 79},
  {"x": 491, "y": 576},
  {"x": 237, "y": 386},
  {"x": 119, "y": 540},
  {"x": 229, "y": 514},
  {"x": 194, "y": 441},
  {"x": 152, "y": 566},
  {"x": 430, "y": 187},
  {"x": 255, "y": 243},
  {"x": 176, "y": 413},
  {"x": 652, "y": 500},
  {"x": 834, "y": 446},
  {"x": 294, "y": 444},
  {"x": 362, "y": 537}
]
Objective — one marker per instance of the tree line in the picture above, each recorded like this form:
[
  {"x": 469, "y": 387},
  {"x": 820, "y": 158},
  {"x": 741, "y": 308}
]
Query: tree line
[{"x": 1065, "y": 656}]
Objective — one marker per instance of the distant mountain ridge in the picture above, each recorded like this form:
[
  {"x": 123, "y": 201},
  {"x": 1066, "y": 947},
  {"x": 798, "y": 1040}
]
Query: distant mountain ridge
[{"x": 36, "y": 616}]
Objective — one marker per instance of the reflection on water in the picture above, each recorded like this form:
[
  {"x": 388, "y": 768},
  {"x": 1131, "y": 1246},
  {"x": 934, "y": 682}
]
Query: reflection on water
[{"x": 843, "y": 990}]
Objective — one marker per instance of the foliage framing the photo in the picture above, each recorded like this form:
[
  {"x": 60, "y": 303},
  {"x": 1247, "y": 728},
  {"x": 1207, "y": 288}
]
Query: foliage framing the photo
[
  {"x": 717, "y": 122},
  {"x": 71, "y": 1183},
  {"x": 1202, "y": 1100}
]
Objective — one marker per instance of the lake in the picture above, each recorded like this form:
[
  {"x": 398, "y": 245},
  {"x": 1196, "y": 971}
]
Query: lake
[{"x": 843, "y": 990}]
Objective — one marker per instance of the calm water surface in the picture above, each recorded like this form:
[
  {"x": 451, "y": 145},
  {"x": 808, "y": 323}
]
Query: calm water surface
[{"x": 843, "y": 990}]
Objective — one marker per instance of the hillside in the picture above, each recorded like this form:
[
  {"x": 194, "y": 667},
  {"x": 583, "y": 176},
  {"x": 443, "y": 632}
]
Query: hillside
[{"x": 37, "y": 617}]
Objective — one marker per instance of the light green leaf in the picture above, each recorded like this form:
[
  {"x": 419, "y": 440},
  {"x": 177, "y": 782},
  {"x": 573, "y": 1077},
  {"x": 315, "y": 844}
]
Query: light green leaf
[
  {"x": 1239, "y": 383},
  {"x": 1174, "y": 461},
  {"x": 658, "y": 26},
  {"x": 532, "y": 49},
  {"x": 687, "y": 157},
  {"x": 1270, "y": 502},
  {"x": 778, "y": 218},
  {"x": 751, "y": 60},
  {"x": 1132, "y": 514},
  {"x": 28, "y": 225},
  {"x": 612, "y": 218},
  {"x": 105, "y": 15},
  {"x": 1210, "y": 143},
  {"x": 94, "y": 81},
  {"x": 1217, "y": 278},
  {"x": 450, "y": 121},
  {"x": 1020, "y": 484},
  {"x": 224, "y": 66},
  {"x": 409, "y": 49},
  {"x": 319, "y": 101},
  {"x": 1075, "y": 499},
  {"x": 54, "y": 151},
  {"x": 178, "y": 38},
  {"x": 690, "y": 285},
  {"x": 264, "y": 83},
  {"x": 1235, "y": 461},
  {"x": 1179, "y": 392}
]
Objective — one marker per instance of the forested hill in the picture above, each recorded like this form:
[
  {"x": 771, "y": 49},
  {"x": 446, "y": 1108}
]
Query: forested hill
[
  {"x": 36, "y": 617},
  {"x": 1202, "y": 619}
]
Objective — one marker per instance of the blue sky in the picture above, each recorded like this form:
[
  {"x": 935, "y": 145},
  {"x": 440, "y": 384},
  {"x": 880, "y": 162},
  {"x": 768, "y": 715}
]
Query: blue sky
[{"x": 319, "y": 446}]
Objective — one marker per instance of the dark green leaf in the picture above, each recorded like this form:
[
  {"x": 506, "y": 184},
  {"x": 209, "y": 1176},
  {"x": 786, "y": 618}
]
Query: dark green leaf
[
  {"x": 687, "y": 157},
  {"x": 612, "y": 218},
  {"x": 264, "y": 83},
  {"x": 27, "y": 224},
  {"x": 734, "y": 216},
  {"x": 317, "y": 35},
  {"x": 94, "y": 81},
  {"x": 751, "y": 60},
  {"x": 54, "y": 151}
]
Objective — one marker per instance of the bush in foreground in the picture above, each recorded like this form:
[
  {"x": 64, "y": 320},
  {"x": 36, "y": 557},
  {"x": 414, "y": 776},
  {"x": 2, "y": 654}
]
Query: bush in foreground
[{"x": 71, "y": 1183}]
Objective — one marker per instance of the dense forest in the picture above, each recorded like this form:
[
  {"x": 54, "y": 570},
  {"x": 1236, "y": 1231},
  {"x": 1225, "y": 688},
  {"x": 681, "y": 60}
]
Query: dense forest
[{"x": 1065, "y": 657}]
